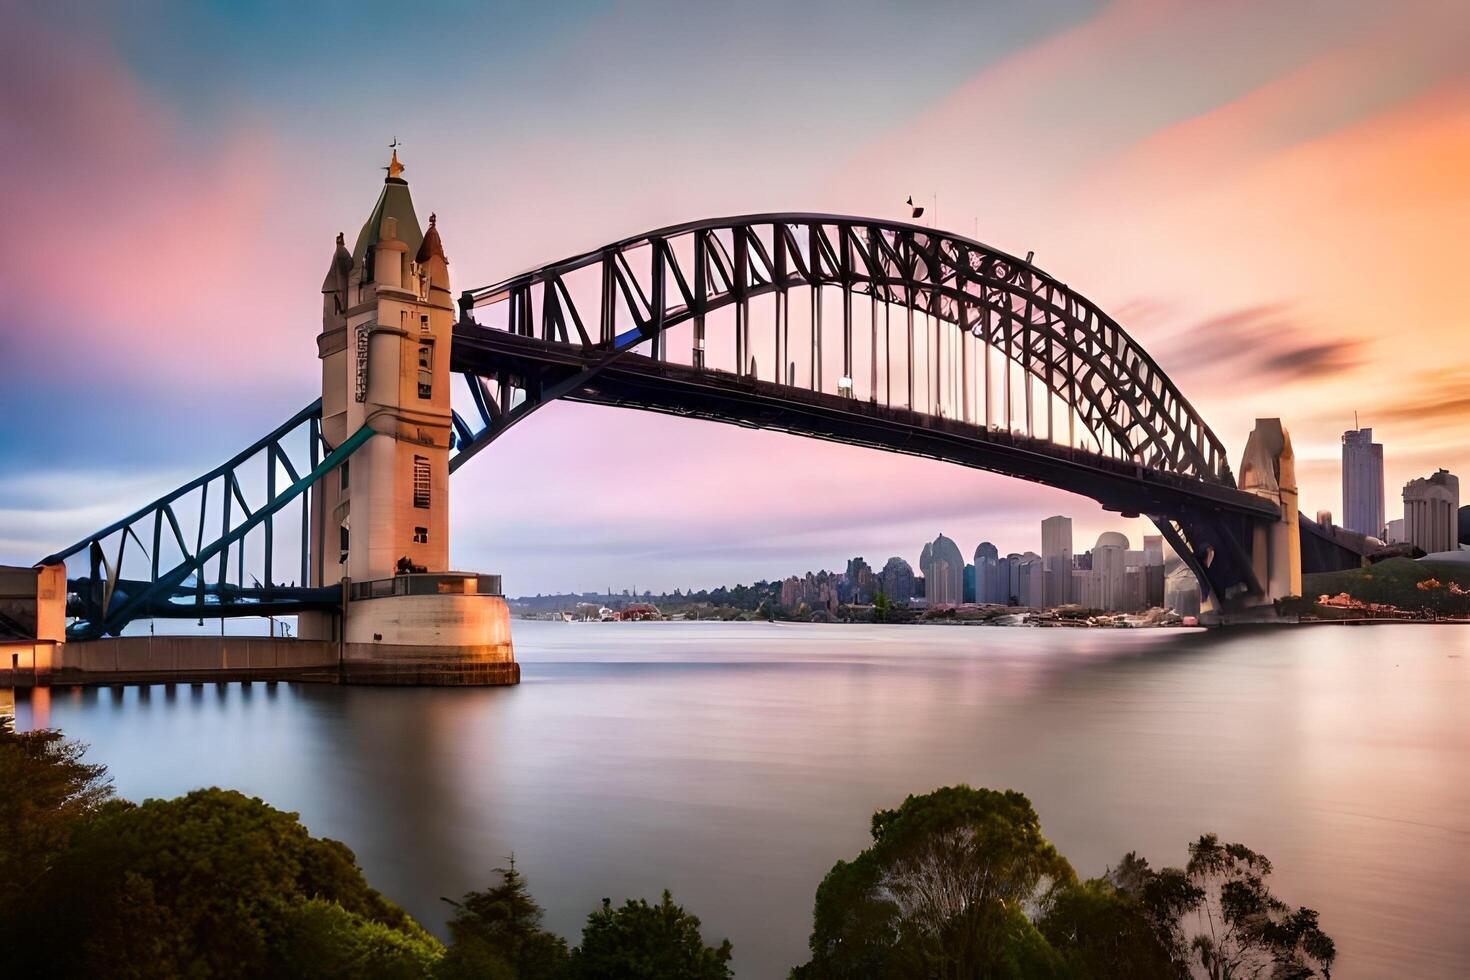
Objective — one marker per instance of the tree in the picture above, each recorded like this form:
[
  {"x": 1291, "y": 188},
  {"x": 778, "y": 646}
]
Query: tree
[
  {"x": 881, "y": 607},
  {"x": 1219, "y": 914},
  {"x": 209, "y": 884},
  {"x": 942, "y": 892},
  {"x": 647, "y": 942},
  {"x": 45, "y": 791},
  {"x": 1103, "y": 933},
  {"x": 497, "y": 933}
]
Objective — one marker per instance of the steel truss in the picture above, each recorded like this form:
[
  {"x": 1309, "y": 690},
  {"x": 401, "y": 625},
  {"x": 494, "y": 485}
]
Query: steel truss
[
  {"x": 593, "y": 322},
  {"x": 199, "y": 578}
]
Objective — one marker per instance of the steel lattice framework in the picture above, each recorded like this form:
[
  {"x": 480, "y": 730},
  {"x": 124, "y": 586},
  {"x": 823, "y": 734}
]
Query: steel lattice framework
[
  {"x": 673, "y": 321},
  {"x": 230, "y": 510},
  {"x": 647, "y": 285}
]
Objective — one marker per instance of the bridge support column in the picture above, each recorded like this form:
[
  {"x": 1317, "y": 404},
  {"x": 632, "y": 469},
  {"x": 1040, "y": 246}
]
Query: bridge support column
[{"x": 1273, "y": 548}]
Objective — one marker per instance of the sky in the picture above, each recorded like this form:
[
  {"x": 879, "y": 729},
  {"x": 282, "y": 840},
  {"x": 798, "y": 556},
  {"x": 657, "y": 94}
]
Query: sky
[{"x": 1272, "y": 198}]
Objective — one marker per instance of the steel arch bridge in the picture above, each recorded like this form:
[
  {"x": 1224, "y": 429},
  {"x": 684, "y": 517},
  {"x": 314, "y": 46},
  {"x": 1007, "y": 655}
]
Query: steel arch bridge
[
  {"x": 904, "y": 338},
  {"x": 877, "y": 333}
]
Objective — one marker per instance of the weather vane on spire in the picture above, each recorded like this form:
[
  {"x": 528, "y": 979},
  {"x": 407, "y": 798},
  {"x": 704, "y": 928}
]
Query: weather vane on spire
[{"x": 394, "y": 168}]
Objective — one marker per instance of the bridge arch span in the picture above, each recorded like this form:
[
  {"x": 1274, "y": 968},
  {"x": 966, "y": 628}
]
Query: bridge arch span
[
  {"x": 597, "y": 327},
  {"x": 647, "y": 285}
]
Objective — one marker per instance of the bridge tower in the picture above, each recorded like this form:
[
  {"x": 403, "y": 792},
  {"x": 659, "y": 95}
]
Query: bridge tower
[
  {"x": 1268, "y": 469},
  {"x": 380, "y": 523}
]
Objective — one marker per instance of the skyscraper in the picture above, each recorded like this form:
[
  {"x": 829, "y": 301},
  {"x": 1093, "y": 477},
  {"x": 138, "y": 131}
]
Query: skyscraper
[
  {"x": 1431, "y": 512},
  {"x": 943, "y": 568},
  {"x": 1056, "y": 558},
  {"x": 1362, "y": 482},
  {"x": 1109, "y": 558},
  {"x": 992, "y": 583},
  {"x": 898, "y": 580}
]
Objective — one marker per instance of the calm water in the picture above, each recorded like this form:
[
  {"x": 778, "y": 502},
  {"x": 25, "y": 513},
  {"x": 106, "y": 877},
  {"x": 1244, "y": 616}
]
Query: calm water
[{"x": 734, "y": 764}]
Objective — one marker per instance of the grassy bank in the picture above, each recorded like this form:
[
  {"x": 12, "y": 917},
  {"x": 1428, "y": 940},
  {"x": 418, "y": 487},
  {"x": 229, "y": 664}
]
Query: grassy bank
[{"x": 1398, "y": 582}]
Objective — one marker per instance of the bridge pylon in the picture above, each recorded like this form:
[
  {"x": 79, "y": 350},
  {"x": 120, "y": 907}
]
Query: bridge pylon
[
  {"x": 1273, "y": 546},
  {"x": 380, "y": 524}
]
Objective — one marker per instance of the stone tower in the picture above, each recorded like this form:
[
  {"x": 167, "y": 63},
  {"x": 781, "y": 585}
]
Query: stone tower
[
  {"x": 387, "y": 320},
  {"x": 380, "y": 522}
]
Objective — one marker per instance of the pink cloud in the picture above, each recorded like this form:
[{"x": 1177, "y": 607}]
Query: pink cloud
[{"x": 157, "y": 256}]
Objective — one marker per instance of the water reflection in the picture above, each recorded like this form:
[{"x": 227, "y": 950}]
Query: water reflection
[{"x": 734, "y": 764}]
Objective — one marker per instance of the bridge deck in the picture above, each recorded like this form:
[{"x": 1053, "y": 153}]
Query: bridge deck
[{"x": 636, "y": 381}]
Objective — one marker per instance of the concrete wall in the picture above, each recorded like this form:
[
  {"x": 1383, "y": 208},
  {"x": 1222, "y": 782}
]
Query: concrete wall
[{"x": 181, "y": 659}]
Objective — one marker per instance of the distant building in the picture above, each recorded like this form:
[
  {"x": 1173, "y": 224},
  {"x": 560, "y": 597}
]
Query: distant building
[
  {"x": 1431, "y": 512},
  {"x": 897, "y": 580},
  {"x": 1029, "y": 578},
  {"x": 1394, "y": 533},
  {"x": 1087, "y": 589},
  {"x": 943, "y": 568},
  {"x": 992, "y": 585},
  {"x": 1362, "y": 482},
  {"x": 969, "y": 583},
  {"x": 860, "y": 584},
  {"x": 1056, "y": 556},
  {"x": 1109, "y": 561}
]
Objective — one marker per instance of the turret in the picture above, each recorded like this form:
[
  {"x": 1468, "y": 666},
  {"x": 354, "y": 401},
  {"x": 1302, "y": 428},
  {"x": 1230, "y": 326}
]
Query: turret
[{"x": 335, "y": 287}]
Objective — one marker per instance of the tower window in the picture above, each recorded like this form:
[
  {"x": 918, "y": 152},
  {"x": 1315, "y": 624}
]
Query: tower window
[
  {"x": 342, "y": 541},
  {"x": 421, "y": 482},
  {"x": 424, "y": 323},
  {"x": 426, "y": 371},
  {"x": 420, "y": 535}
]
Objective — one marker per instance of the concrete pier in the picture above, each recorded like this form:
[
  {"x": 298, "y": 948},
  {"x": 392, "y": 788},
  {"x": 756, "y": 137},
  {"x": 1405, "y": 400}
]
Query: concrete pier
[{"x": 219, "y": 659}]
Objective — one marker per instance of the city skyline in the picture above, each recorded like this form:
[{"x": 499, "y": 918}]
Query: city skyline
[{"x": 126, "y": 151}]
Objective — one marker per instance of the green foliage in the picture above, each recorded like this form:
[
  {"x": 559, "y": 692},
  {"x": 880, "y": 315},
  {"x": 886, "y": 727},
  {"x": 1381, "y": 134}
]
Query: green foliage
[
  {"x": 941, "y": 892},
  {"x": 497, "y": 933},
  {"x": 951, "y": 880},
  {"x": 647, "y": 942},
  {"x": 1219, "y": 914},
  {"x": 317, "y": 938},
  {"x": 45, "y": 790},
  {"x": 882, "y": 607},
  {"x": 1103, "y": 933},
  {"x": 210, "y": 884}
]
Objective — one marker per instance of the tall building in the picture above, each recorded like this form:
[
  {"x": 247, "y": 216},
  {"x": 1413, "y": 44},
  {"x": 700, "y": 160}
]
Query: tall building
[
  {"x": 860, "y": 584},
  {"x": 897, "y": 580},
  {"x": 943, "y": 568},
  {"x": 1056, "y": 557},
  {"x": 1030, "y": 580},
  {"x": 1432, "y": 512},
  {"x": 1153, "y": 570},
  {"x": 992, "y": 583},
  {"x": 1109, "y": 563},
  {"x": 1362, "y": 482}
]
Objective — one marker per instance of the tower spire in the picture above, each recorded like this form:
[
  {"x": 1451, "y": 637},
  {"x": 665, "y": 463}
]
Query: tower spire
[{"x": 394, "y": 168}]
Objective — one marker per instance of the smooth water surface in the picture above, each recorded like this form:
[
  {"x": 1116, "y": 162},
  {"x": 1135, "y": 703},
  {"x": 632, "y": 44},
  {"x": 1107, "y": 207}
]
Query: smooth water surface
[{"x": 735, "y": 763}]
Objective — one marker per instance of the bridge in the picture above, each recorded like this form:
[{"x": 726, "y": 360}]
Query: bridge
[{"x": 858, "y": 330}]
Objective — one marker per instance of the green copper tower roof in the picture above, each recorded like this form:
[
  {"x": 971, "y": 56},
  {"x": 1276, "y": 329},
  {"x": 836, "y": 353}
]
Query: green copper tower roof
[{"x": 394, "y": 202}]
